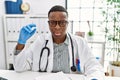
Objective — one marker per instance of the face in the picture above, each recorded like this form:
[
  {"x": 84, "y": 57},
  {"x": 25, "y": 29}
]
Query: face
[{"x": 58, "y": 22}]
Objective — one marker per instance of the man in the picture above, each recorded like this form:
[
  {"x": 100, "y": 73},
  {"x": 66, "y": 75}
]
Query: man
[{"x": 58, "y": 51}]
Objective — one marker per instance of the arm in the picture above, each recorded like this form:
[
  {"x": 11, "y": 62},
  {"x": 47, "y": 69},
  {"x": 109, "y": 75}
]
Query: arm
[
  {"x": 20, "y": 46},
  {"x": 93, "y": 68},
  {"x": 90, "y": 67},
  {"x": 23, "y": 57}
]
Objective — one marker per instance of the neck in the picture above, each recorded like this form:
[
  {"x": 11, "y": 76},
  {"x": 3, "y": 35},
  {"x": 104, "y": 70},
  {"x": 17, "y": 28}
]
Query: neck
[{"x": 59, "y": 40}]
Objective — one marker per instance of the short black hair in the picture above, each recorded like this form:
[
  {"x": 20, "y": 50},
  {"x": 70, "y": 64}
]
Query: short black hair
[{"x": 57, "y": 8}]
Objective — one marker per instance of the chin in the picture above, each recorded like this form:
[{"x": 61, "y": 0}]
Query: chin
[{"x": 57, "y": 36}]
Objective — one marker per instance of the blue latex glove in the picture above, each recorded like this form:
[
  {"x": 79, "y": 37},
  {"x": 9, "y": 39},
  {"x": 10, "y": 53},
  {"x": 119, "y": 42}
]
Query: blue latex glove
[{"x": 26, "y": 32}]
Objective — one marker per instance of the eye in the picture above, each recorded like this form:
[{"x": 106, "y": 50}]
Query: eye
[
  {"x": 52, "y": 23},
  {"x": 63, "y": 23}
]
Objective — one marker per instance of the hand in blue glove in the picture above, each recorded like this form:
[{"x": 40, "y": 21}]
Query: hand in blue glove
[{"x": 26, "y": 32}]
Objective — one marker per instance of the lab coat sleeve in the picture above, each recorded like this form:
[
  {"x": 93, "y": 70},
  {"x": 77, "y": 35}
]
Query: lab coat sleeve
[
  {"x": 23, "y": 61},
  {"x": 92, "y": 68}
]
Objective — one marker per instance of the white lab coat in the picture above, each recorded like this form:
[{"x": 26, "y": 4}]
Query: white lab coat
[{"x": 28, "y": 58}]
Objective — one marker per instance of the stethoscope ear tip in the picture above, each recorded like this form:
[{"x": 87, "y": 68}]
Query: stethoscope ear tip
[{"x": 73, "y": 68}]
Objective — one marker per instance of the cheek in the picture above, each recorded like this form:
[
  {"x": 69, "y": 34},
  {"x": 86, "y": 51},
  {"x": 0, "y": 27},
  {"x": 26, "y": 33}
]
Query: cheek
[
  {"x": 51, "y": 29},
  {"x": 63, "y": 30}
]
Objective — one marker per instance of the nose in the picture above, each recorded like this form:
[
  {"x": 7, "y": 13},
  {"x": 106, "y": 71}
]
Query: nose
[{"x": 57, "y": 25}]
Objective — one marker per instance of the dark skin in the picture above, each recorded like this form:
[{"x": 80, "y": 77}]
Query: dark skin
[{"x": 58, "y": 32}]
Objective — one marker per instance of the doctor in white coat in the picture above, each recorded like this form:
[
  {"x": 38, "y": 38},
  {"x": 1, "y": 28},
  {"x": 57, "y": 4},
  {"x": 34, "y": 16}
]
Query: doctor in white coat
[{"x": 58, "y": 51}]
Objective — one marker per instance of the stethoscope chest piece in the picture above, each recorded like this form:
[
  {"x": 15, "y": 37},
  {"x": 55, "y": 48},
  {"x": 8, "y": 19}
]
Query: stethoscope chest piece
[{"x": 73, "y": 68}]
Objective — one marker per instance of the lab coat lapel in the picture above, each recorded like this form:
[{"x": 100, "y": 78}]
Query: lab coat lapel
[
  {"x": 50, "y": 58},
  {"x": 70, "y": 52}
]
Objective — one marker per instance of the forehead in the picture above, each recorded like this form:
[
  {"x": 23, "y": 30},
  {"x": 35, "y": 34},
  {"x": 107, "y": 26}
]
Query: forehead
[{"x": 58, "y": 15}]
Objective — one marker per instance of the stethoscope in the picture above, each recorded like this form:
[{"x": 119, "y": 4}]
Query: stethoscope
[{"x": 73, "y": 67}]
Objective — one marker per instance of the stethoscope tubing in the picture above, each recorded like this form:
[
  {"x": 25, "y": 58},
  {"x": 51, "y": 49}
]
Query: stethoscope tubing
[
  {"x": 45, "y": 48},
  {"x": 73, "y": 68}
]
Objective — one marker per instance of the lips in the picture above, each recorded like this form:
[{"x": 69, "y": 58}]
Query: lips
[{"x": 57, "y": 33}]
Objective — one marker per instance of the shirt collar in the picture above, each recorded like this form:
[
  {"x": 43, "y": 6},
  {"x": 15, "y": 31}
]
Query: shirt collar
[{"x": 66, "y": 42}]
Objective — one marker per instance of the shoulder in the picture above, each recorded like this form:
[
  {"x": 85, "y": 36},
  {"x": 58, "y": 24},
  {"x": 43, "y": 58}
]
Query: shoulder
[
  {"x": 43, "y": 37},
  {"x": 78, "y": 39},
  {"x": 40, "y": 40}
]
